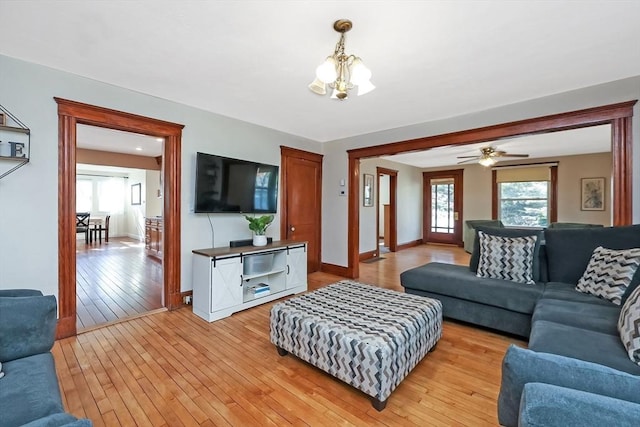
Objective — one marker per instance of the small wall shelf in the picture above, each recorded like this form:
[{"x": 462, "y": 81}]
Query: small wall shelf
[{"x": 15, "y": 142}]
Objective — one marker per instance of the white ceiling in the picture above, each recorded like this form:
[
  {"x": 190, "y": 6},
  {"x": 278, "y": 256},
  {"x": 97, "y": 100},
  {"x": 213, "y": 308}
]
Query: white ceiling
[
  {"x": 595, "y": 139},
  {"x": 96, "y": 138},
  {"x": 253, "y": 60}
]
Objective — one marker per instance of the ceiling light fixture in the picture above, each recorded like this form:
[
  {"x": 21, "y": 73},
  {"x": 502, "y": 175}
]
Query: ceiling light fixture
[
  {"x": 487, "y": 161},
  {"x": 341, "y": 71}
]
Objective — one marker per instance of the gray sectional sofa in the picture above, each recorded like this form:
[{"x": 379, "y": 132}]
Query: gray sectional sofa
[
  {"x": 575, "y": 365},
  {"x": 29, "y": 391}
]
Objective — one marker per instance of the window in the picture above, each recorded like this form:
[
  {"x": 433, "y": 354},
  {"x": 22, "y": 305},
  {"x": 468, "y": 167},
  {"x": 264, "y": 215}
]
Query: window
[
  {"x": 524, "y": 204},
  {"x": 98, "y": 194},
  {"x": 525, "y": 196},
  {"x": 442, "y": 207}
]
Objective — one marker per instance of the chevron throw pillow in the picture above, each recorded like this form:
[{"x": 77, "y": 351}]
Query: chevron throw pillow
[
  {"x": 609, "y": 273},
  {"x": 506, "y": 258},
  {"x": 629, "y": 325}
]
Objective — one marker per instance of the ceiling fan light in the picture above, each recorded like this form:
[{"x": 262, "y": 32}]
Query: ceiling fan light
[
  {"x": 365, "y": 87},
  {"x": 318, "y": 87},
  {"x": 487, "y": 161},
  {"x": 326, "y": 72}
]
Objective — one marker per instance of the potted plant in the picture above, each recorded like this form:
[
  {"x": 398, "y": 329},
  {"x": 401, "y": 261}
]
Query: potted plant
[{"x": 259, "y": 225}]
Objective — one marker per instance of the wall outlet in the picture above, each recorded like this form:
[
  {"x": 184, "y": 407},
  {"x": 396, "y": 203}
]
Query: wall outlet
[{"x": 342, "y": 193}]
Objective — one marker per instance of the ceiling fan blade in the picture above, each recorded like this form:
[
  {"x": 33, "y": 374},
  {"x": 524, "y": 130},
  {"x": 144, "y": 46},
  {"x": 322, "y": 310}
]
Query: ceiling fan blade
[
  {"x": 468, "y": 157},
  {"x": 514, "y": 155},
  {"x": 467, "y": 161}
]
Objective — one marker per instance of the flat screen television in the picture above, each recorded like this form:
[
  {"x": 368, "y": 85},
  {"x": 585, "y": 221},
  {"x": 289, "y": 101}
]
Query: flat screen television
[{"x": 226, "y": 185}]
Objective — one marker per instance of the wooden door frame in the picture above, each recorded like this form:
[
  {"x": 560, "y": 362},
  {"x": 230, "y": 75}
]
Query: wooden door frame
[
  {"x": 619, "y": 116},
  {"x": 284, "y": 211},
  {"x": 457, "y": 175},
  {"x": 71, "y": 113},
  {"x": 393, "y": 208}
]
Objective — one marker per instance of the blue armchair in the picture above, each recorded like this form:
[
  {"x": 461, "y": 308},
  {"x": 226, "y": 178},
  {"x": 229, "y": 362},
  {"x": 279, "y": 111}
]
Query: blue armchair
[{"x": 29, "y": 391}]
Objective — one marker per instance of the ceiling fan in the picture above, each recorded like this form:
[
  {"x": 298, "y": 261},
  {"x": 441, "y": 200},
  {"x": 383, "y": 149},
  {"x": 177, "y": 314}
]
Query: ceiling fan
[{"x": 488, "y": 156}]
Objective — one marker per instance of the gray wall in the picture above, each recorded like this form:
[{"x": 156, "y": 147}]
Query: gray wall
[{"x": 29, "y": 196}]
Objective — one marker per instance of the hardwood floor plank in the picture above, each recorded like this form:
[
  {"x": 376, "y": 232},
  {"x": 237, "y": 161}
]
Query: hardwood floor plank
[
  {"x": 174, "y": 369},
  {"x": 114, "y": 281}
]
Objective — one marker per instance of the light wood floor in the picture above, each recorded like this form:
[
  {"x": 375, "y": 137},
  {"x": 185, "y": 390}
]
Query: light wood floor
[
  {"x": 114, "y": 281},
  {"x": 174, "y": 369}
]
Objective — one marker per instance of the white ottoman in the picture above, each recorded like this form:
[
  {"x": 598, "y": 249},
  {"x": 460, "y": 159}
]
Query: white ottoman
[{"x": 368, "y": 337}]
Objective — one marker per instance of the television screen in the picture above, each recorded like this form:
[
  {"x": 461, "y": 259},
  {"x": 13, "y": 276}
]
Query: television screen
[{"x": 232, "y": 185}]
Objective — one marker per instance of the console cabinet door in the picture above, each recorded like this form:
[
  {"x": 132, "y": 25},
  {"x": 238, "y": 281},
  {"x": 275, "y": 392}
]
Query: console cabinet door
[
  {"x": 297, "y": 267},
  {"x": 226, "y": 283}
]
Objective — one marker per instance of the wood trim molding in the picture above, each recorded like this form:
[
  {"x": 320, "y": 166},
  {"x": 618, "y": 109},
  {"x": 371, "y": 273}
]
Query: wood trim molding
[
  {"x": 338, "y": 270},
  {"x": 553, "y": 123},
  {"x": 368, "y": 255},
  {"x": 617, "y": 115},
  {"x": 410, "y": 244},
  {"x": 71, "y": 113}
]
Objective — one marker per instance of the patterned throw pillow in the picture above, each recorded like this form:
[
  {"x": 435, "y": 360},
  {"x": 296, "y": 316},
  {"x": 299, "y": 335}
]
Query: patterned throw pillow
[
  {"x": 629, "y": 326},
  {"x": 506, "y": 258},
  {"x": 609, "y": 273}
]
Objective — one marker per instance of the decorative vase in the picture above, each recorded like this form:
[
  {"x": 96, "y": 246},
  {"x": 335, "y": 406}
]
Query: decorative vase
[{"x": 259, "y": 240}]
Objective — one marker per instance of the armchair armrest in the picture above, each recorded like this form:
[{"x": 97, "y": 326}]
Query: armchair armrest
[
  {"x": 521, "y": 366},
  {"x": 553, "y": 406},
  {"x": 27, "y": 325}
]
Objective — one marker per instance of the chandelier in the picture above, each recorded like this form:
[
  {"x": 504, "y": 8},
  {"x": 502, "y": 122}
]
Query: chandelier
[{"x": 341, "y": 71}]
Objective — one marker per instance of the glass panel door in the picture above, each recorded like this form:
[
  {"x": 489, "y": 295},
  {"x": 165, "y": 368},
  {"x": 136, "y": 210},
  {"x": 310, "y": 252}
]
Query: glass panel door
[{"x": 442, "y": 206}]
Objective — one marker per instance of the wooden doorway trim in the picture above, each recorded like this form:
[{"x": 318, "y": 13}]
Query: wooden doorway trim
[
  {"x": 287, "y": 152},
  {"x": 393, "y": 208},
  {"x": 617, "y": 115},
  {"x": 457, "y": 176},
  {"x": 71, "y": 113}
]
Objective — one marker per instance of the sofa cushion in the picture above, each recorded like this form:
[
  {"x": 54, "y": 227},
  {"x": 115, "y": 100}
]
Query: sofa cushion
[
  {"x": 629, "y": 326},
  {"x": 27, "y": 326},
  {"x": 553, "y": 406},
  {"x": 594, "y": 317},
  {"x": 507, "y": 232},
  {"x": 583, "y": 344},
  {"x": 521, "y": 366},
  {"x": 29, "y": 390},
  {"x": 569, "y": 250},
  {"x": 609, "y": 273},
  {"x": 506, "y": 258},
  {"x": 567, "y": 292},
  {"x": 459, "y": 282}
]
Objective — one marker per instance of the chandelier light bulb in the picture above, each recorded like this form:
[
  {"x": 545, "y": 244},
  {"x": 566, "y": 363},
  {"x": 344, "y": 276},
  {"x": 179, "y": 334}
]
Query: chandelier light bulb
[
  {"x": 359, "y": 72},
  {"x": 326, "y": 72}
]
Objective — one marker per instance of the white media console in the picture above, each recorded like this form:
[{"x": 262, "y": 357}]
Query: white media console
[{"x": 228, "y": 280}]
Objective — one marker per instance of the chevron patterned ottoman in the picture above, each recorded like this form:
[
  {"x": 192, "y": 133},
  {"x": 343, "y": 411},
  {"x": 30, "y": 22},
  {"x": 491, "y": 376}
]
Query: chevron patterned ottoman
[{"x": 368, "y": 337}]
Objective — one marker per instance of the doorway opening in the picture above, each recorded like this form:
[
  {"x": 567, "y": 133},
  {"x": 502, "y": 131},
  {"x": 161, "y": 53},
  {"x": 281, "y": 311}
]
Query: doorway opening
[
  {"x": 442, "y": 211},
  {"x": 386, "y": 211},
  {"x": 70, "y": 114},
  {"x": 118, "y": 183},
  {"x": 619, "y": 116}
]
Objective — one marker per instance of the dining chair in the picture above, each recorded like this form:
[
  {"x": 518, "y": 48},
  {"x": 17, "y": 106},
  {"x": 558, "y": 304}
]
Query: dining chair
[
  {"x": 99, "y": 229},
  {"x": 82, "y": 225}
]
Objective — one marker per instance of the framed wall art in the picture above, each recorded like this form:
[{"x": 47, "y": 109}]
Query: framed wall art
[{"x": 592, "y": 194}]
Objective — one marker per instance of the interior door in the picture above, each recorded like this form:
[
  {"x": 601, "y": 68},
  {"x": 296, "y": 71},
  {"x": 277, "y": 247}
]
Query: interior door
[
  {"x": 302, "y": 195},
  {"x": 443, "y": 207}
]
